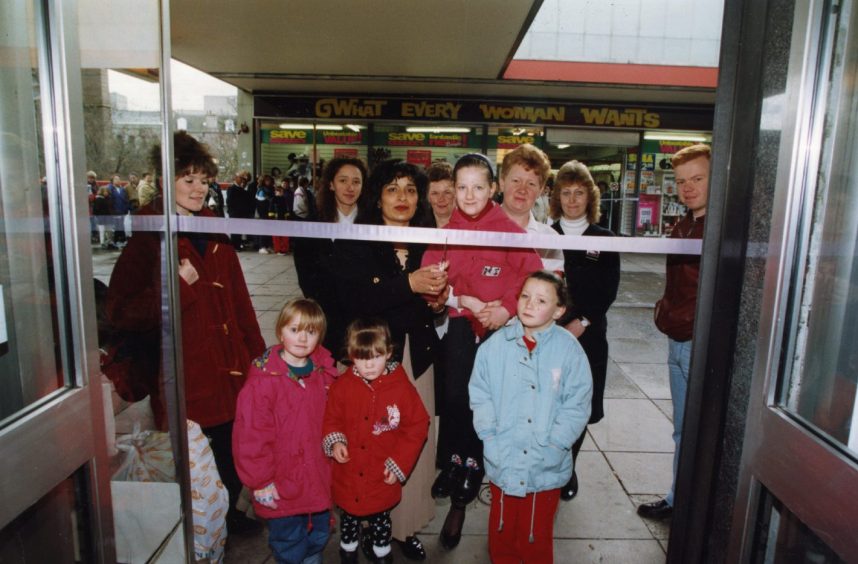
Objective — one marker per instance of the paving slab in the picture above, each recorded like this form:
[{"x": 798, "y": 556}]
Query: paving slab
[
  {"x": 666, "y": 407},
  {"x": 646, "y": 351},
  {"x": 633, "y": 425},
  {"x": 608, "y": 551},
  {"x": 643, "y": 472},
  {"x": 652, "y": 379},
  {"x": 631, "y": 323},
  {"x": 601, "y": 509},
  {"x": 617, "y": 385}
]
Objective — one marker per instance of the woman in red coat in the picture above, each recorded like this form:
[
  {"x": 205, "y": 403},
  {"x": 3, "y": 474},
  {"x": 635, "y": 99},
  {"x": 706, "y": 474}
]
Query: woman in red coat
[{"x": 220, "y": 335}]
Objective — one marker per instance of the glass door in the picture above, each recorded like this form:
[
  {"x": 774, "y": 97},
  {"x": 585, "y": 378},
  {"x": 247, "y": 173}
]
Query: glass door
[
  {"x": 798, "y": 498},
  {"x": 92, "y": 428}
]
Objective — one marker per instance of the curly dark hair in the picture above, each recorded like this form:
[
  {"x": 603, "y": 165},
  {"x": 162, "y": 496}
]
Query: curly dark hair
[
  {"x": 189, "y": 156},
  {"x": 369, "y": 209}
]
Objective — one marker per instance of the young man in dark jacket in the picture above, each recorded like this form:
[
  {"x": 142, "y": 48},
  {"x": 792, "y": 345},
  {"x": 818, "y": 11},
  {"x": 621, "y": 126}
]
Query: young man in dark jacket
[{"x": 674, "y": 312}]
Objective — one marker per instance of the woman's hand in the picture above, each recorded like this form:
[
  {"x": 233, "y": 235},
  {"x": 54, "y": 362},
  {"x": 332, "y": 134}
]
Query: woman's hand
[
  {"x": 187, "y": 271},
  {"x": 439, "y": 304},
  {"x": 340, "y": 452},
  {"x": 576, "y": 327},
  {"x": 493, "y": 316},
  {"x": 389, "y": 477},
  {"x": 428, "y": 280}
]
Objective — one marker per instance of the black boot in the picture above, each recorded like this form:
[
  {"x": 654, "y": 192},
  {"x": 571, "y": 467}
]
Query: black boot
[
  {"x": 447, "y": 480},
  {"x": 570, "y": 490},
  {"x": 468, "y": 486}
]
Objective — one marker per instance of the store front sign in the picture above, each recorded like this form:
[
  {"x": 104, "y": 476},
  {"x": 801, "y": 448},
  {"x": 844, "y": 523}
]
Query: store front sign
[
  {"x": 340, "y": 137},
  {"x": 297, "y": 136},
  {"x": 513, "y": 141},
  {"x": 695, "y": 118},
  {"x": 627, "y": 117}
]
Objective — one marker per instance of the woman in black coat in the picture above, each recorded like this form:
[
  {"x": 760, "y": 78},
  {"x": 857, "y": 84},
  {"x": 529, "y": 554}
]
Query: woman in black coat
[
  {"x": 592, "y": 277},
  {"x": 383, "y": 279}
]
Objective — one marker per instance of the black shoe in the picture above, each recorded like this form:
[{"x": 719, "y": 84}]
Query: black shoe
[
  {"x": 570, "y": 490},
  {"x": 412, "y": 548},
  {"x": 347, "y": 557},
  {"x": 656, "y": 510},
  {"x": 366, "y": 547},
  {"x": 447, "y": 480},
  {"x": 468, "y": 486},
  {"x": 451, "y": 532},
  {"x": 366, "y": 544}
]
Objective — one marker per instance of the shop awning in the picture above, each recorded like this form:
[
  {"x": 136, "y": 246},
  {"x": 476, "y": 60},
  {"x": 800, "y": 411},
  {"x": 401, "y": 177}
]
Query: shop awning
[{"x": 398, "y": 47}]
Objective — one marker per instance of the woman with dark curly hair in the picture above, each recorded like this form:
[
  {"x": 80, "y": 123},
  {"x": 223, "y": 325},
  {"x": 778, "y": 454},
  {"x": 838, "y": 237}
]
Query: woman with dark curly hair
[{"x": 384, "y": 279}]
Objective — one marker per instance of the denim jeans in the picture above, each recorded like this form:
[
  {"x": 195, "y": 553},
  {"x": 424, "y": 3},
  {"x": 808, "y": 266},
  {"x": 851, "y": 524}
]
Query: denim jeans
[
  {"x": 678, "y": 364},
  {"x": 299, "y": 539}
]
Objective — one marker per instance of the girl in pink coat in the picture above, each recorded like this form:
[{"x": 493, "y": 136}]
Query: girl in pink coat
[{"x": 278, "y": 430}]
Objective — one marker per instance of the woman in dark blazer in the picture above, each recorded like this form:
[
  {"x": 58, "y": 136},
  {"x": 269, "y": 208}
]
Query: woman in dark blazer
[
  {"x": 592, "y": 277},
  {"x": 383, "y": 279}
]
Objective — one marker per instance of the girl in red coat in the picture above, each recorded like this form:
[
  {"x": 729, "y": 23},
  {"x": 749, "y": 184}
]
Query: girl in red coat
[
  {"x": 375, "y": 427},
  {"x": 278, "y": 429}
]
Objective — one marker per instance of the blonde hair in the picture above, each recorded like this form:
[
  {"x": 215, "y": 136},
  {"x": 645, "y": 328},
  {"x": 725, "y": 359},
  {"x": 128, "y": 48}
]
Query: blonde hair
[
  {"x": 575, "y": 173},
  {"x": 366, "y": 338},
  {"x": 308, "y": 312}
]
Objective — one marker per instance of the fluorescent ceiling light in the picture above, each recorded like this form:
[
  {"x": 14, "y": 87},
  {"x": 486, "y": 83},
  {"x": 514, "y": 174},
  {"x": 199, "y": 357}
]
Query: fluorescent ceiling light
[
  {"x": 355, "y": 128},
  {"x": 563, "y": 145},
  {"x": 311, "y": 126},
  {"x": 438, "y": 129},
  {"x": 668, "y": 136}
]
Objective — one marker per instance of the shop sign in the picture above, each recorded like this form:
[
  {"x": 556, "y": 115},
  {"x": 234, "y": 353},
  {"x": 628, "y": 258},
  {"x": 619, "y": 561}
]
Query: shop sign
[
  {"x": 647, "y": 161},
  {"x": 419, "y": 157},
  {"x": 406, "y": 139},
  {"x": 637, "y": 118},
  {"x": 448, "y": 140},
  {"x": 694, "y": 118},
  {"x": 340, "y": 137},
  {"x": 671, "y": 147},
  {"x": 513, "y": 141},
  {"x": 296, "y": 136}
]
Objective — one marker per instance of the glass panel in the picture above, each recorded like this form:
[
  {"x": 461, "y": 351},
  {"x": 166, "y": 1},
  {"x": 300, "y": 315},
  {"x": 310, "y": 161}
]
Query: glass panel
[
  {"x": 52, "y": 530},
  {"x": 123, "y": 124},
  {"x": 821, "y": 386},
  {"x": 30, "y": 355},
  {"x": 782, "y": 539}
]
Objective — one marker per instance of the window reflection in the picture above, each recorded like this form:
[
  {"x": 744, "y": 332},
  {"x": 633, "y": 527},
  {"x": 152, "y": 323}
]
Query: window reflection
[
  {"x": 30, "y": 366},
  {"x": 821, "y": 387}
]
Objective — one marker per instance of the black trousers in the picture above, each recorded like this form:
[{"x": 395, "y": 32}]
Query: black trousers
[{"x": 456, "y": 434}]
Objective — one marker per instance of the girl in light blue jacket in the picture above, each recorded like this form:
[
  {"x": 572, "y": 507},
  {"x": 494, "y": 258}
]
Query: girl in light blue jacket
[{"x": 530, "y": 393}]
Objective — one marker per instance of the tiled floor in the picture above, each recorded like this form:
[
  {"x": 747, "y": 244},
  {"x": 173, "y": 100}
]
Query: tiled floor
[{"x": 625, "y": 460}]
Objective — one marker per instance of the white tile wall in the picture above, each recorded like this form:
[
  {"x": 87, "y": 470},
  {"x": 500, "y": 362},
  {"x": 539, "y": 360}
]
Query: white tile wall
[{"x": 664, "y": 32}]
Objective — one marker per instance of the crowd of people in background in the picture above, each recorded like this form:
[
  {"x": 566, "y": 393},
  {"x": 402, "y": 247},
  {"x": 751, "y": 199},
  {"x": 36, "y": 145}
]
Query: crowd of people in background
[{"x": 507, "y": 346}]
